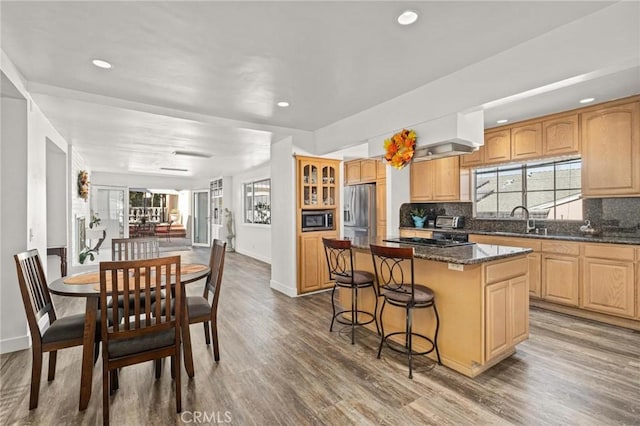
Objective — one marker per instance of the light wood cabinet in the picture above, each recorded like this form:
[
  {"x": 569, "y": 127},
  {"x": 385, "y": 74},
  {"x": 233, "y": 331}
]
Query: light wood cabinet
[
  {"x": 611, "y": 151},
  {"x": 497, "y": 146},
  {"x": 436, "y": 180},
  {"x": 420, "y": 233},
  {"x": 608, "y": 279},
  {"x": 381, "y": 169},
  {"x": 526, "y": 141},
  {"x": 318, "y": 183},
  {"x": 313, "y": 273},
  {"x": 381, "y": 208},
  {"x": 475, "y": 158},
  {"x": 360, "y": 171},
  {"x": 561, "y": 272},
  {"x": 560, "y": 136}
]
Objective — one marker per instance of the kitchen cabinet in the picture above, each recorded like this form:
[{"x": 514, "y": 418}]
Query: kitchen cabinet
[
  {"x": 381, "y": 208},
  {"x": 318, "y": 182},
  {"x": 534, "y": 259},
  {"x": 313, "y": 273},
  {"x": 561, "y": 272},
  {"x": 475, "y": 158},
  {"x": 420, "y": 233},
  {"x": 381, "y": 169},
  {"x": 497, "y": 146},
  {"x": 526, "y": 141},
  {"x": 611, "y": 151},
  {"x": 360, "y": 171},
  {"x": 435, "y": 180},
  {"x": 560, "y": 135},
  {"x": 608, "y": 283}
]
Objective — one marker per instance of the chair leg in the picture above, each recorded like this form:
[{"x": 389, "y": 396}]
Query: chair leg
[
  {"x": 105, "y": 392},
  {"x": 333, "y": 306},
  {"x": 384, "y": 302},
  {"x": 96, "y": 352},
  {"x": 178, "y": 385},
  {"x": 158, "y": 364},
  {"x": 375, "y": 310},
  {"x": 36, "y": 371},
  {"x": 435, "y": 338},
  {"x": 173, "y": 367},
  {"x": 113, "y": 381},
  {"x": 52, "y": 365},
  {"x": 207, "y": 339},
  {"x": 409, "y": 342},
  {"x": 354, "y": 313},
  {"x": 214, "y": 337}
]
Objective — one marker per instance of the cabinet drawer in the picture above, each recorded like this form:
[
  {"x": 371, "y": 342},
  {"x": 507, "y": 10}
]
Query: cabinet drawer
[
  {"x": 606, "y": 251},
  {"x": 561, "y": 247},
  {"x": 496, "y": 272}
]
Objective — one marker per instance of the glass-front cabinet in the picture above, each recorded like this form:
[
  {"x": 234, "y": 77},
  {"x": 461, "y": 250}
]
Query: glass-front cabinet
[{"x": 318, "y": 183}]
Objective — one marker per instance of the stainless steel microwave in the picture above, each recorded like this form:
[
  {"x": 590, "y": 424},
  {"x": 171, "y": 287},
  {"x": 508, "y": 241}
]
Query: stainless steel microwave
[{"x": 317, "y": 220}]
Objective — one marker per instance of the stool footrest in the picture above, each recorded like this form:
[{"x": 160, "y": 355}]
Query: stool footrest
[
  {"x": 405, "y": 350},
  {"x": 342, "y": 320}
]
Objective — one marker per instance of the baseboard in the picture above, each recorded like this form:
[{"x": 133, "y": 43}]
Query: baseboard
[
  {"x": 15, "y": 344},
  {"x": 254, "y": 255},
  {"x": 286, "y": 290}
]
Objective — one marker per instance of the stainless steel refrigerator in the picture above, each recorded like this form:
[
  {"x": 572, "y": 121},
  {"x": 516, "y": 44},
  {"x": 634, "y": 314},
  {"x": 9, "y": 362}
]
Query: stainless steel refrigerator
[{"x": 359, "y": 211}]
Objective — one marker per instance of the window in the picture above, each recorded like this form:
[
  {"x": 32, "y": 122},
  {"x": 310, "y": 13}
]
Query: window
[
  {"x": 257, "y": 202},
  {"x": 550, "y": 190}
]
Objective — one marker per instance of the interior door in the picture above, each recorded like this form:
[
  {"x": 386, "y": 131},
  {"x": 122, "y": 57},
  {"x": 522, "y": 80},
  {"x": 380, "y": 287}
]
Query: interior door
[
  {"x": 110, "y": 203},
  {"x": 201, "y": 218}
]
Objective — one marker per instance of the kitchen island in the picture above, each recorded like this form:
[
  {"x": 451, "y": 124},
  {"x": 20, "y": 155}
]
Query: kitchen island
[{"x": 482, "y": 296}]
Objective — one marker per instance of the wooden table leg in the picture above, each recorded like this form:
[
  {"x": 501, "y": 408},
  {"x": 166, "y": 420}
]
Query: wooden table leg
[
  {"x": 186, "y": 337},
  {"x": 86, "y": 376}
]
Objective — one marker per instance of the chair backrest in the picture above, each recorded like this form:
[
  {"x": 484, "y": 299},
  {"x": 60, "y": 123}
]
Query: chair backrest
[
  {"x": 134, "y": 248},
  {"x": 339, "y": 258},
  {"x": 34, "y": 290},
  {"x": 393, "y": 267},
  {"x": 216, "y": 264},
  {"x": 131, "y": 279}
]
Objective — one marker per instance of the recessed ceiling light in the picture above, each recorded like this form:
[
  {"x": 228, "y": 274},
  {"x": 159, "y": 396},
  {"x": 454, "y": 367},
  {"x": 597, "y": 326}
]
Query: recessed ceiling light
[
  {"x": 407, "y": 17},
  {"x": 173, "y": 169},
  {"x": 283, "y": 104},
  {"x": 502, "y": 121},
  {"x": 586, "y": 100},
  {"x": 101, "y": 64}
]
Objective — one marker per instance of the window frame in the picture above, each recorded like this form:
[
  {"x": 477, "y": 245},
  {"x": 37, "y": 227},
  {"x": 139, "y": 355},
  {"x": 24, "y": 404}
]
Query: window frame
[
  {"x": 252, "y": 212},
  {"x": 524, "y": 191}
]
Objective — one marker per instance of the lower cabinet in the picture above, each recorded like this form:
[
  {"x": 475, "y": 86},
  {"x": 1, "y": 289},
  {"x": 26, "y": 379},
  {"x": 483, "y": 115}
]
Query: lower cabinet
[
  {"x": 419, "y": 233},
  {"x": 560, "y": 279},
  {"x": 313, "y": 273},
  {"x": 608, "y": 286},
  {"x": 507, "y": 315}
]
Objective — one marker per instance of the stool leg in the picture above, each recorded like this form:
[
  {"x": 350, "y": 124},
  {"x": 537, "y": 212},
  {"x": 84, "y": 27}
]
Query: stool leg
[
  {"x": 384, "y": 302},
  {"x": 354, "y": 313},
  {"x": 409, "y": 342},
  {"x": 333, "y": 306},
  {"x": 435, "y": 338},
  {"x": 375, "y": 310}
]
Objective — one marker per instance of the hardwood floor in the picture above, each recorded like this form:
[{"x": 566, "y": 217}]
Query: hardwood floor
[{"x": 280, "y": 365}]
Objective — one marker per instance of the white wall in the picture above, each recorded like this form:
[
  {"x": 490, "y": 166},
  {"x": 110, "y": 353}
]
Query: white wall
[
  {"x": 283, "y": 226},
  {"x": 79, "y": 208},
  {"x": 251, "y": 239},
  {"x": 56, "y": 196}
]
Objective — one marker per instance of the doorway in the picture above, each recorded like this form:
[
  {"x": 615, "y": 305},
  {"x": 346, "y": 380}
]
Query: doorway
[{"x": 201, "y": 218}]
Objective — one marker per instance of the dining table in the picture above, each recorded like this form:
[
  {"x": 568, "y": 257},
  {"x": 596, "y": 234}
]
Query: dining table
[{"x": 87, "y": 285}]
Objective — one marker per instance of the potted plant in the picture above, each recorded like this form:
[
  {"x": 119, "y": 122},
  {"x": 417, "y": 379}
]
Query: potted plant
[{"x": 419, "y": 215}]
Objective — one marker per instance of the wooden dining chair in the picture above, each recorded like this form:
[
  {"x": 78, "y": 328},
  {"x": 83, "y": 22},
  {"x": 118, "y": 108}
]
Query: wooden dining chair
[
  {"x": 134, "y": 249},
  {"x": 142, "y": 335},
  {"x": 61, "y": 333},
  {"x": 199, "y": 308}
]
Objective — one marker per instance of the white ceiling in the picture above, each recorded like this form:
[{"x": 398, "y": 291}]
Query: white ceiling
[{"x": 205, "y": 76}]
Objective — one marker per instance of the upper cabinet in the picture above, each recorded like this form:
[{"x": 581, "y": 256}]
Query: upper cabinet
[
  {"x": 497, "y": 146},
  {"x": 526, "y": 141},
  {"x": 360, "y": 171},
  {"x": 475, "y": 158},
  {"x": 436, "y": 180},
  {"x": 318, "y": 182},
  {"x": 611, "y": 151},
  {"x": 560, "y": 135}
]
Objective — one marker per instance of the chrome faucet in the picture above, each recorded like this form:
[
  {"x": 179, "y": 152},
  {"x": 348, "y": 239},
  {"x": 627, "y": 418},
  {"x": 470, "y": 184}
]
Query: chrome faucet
[{"x": 531, "y": 223}]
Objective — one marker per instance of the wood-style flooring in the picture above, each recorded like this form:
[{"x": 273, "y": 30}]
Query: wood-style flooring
[{"x": 280, "y": 365}]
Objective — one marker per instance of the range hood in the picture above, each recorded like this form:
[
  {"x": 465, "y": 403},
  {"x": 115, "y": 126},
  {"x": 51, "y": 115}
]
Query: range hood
[{"x": 444, "y": 149}]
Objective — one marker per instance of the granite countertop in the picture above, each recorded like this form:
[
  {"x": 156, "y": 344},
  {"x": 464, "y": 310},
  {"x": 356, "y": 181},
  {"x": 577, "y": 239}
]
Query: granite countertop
[
  {"x": 464, "y": 255},
  {"x": 603, "y": 238}
]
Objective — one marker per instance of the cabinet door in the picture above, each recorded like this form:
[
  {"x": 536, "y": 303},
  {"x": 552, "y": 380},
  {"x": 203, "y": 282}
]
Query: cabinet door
[
  {"x": 497, "y": 146},
  {"x": 368, "y": 170},
  {"x": 309, "y": 184},
  {"x": 475, "y": 158},
  {"x": 381, "y": 169},
  {"x": 560, "y": 136},
  {"x": 519, "y": 309},
  {"x": 611, "y": 151},
  {"x": 608, "y": 286},
  {"x": 352, "y": 172},
  {"x": 329, "y": 185},
  {"x": 381, "y": 208},
  {"x": 560, "y": 279},
  {"x": 311, "y": 254},
  {"x": 526, "y": 141},
  {"x": 497, "y": 319},
  {"x": 535, "y": 266},
  {"x": 421, "y": 181},
  {"x": 446, "y": 179}
]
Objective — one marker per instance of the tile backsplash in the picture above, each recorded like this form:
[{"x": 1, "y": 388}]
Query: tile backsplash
[{"x": 613, "y": 216}]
